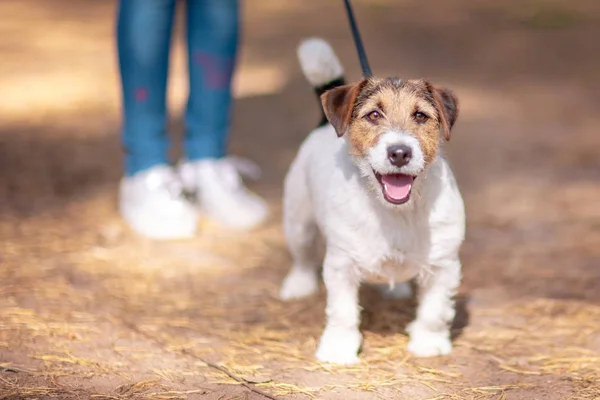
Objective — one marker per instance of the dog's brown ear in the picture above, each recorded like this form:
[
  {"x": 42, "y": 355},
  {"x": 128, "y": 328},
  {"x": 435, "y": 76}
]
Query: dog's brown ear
[
  {"x": 446, "y": 103},
  {"x": 338, "y": 104}
]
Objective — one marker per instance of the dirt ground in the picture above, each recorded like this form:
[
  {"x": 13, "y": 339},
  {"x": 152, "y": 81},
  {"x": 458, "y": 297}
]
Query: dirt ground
[{"x": 89, "y": 311}]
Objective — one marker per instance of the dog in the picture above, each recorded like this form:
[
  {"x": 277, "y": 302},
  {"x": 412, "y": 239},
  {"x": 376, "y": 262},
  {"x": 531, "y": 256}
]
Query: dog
[{"x": 372, "y": 181}]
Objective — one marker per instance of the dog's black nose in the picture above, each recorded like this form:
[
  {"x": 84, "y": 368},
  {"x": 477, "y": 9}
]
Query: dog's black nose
[{"x": 399, "y": 154}]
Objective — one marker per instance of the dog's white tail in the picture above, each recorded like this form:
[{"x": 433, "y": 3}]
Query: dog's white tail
[
  {"x": 319, "y": 62},
  {"x": 321, "y": 67}
]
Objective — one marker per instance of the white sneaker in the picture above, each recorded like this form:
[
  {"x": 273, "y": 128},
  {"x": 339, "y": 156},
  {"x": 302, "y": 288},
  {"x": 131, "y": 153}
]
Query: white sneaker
[
  {"x": 153, "y": 204},
  {"x": 220, "y": 192}
]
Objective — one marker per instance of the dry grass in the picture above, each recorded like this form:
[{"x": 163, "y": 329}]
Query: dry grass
[
  {"x": 232, "y": 342},
  {"x": 147, "y": 317}
]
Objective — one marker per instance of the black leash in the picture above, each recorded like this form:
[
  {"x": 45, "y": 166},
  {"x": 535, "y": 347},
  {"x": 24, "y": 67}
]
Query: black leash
[{"x": 362, "y": 55}]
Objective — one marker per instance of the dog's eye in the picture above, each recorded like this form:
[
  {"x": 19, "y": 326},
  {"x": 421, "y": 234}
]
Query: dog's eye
[
  {"x": 373, "y": 116},
  {"x": 420, "y": 117}
]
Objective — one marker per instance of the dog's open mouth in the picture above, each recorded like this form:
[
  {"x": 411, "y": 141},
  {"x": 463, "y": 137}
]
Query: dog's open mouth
[{"x": 396, "y": 187}]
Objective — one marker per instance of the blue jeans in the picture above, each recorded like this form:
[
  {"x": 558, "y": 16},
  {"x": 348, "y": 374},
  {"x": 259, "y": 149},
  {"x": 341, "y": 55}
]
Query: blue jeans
[{"x": 143, "y": 38}]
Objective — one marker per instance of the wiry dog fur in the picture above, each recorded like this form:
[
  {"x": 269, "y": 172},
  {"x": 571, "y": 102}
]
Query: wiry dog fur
[{"x": 334, "y": 187}]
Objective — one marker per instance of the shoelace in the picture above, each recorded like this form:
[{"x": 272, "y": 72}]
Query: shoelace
[{"x": 168, "y": 181}]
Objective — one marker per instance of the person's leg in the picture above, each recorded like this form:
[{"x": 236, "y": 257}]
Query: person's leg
[
  {"x": 143, "y": 40},
  {"x": 150, "y": 197},
  {"x": 213, "y": 28},
  {"x": 212, "y": 34}
]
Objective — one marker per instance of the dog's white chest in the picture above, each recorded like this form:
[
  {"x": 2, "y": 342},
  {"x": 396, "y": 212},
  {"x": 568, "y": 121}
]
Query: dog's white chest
[
  {"x": 392, "y": 267},
  {"x": 393, "y": 248}
]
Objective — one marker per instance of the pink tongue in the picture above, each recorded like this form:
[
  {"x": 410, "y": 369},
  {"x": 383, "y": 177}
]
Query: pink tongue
[{"x": 397, "y": 186}]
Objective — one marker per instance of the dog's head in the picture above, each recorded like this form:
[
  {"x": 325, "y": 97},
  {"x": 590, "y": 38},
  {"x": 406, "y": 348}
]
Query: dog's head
[{"x": 393, "y": 127}]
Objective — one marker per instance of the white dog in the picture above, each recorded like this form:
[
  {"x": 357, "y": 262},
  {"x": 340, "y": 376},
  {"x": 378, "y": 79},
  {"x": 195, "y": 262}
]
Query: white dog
[{"x": 374, "y": 183}]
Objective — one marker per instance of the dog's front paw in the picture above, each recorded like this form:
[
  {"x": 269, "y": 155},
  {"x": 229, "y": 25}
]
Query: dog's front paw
[
  {"x": 339, "y": 346},
  {"x": 425, "y": 343},
  {"x": 299, "y": 283}
]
